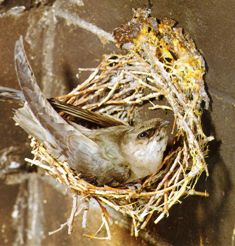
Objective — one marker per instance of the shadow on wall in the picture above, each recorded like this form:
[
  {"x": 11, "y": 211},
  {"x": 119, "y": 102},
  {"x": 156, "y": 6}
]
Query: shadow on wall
[{"x": 71, "y": 80}]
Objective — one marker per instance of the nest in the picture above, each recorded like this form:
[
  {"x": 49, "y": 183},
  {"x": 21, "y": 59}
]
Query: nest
[{"x": 160, "y": 61}]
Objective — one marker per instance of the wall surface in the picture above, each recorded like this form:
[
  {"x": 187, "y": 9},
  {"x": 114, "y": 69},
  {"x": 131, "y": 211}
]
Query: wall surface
[{"x": 64, "y": 35}]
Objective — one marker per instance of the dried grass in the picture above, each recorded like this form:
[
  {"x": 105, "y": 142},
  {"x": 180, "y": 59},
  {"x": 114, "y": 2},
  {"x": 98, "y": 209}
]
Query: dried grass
[{"x": 162, "y": 61}]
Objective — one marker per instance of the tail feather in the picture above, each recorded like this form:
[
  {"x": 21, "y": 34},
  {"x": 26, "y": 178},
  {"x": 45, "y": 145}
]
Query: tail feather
[
  {"x": 54, "y": 130},
  {"x": 32, "y": 93},
  {"x": 25, "y": 118}
]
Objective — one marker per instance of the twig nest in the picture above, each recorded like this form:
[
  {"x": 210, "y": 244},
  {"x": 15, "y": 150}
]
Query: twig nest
[{"x": 160, "y": 60}]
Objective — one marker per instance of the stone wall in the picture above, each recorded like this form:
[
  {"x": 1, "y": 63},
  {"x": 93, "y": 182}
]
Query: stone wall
[{"x": 64, "y": 35}]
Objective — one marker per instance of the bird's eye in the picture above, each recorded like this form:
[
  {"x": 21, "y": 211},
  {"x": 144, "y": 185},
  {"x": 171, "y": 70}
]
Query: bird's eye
[{"x": 146, "y": 134}]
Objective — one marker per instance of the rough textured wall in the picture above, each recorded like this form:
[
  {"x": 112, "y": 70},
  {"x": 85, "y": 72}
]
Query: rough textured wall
[{"x": 64, "y": 35}]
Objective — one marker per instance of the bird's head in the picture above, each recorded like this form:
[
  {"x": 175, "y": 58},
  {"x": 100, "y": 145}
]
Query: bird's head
[{"x": 143, "y": 146}]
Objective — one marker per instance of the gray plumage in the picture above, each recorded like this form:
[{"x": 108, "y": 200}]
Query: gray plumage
[
  {"x": 113, "y": 155},
  {"x": 62, "y": 140}
]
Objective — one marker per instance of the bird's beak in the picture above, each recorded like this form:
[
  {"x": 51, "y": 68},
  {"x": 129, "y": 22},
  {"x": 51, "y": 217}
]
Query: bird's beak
[{"x": 164, "y": 124}]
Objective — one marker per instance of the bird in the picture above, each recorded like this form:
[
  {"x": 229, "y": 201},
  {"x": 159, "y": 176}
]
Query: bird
[{"x": 113, "y": 155}]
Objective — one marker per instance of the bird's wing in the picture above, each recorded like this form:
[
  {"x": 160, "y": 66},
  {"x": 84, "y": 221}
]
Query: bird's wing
[{"x": 98, "y": 119}]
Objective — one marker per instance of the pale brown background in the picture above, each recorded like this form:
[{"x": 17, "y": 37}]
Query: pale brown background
[{"x": 56, "y": 51}]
